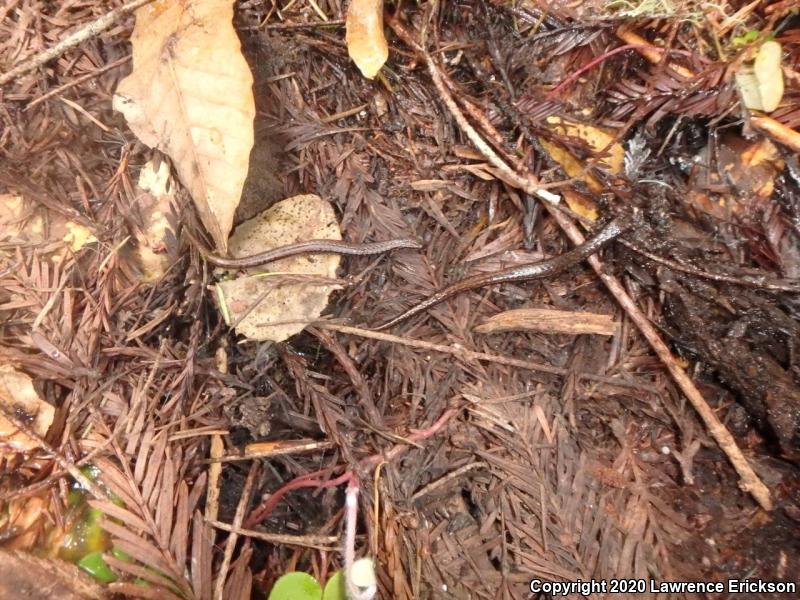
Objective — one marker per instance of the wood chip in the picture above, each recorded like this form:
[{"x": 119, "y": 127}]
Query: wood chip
[{"x": 549, "y": 321}]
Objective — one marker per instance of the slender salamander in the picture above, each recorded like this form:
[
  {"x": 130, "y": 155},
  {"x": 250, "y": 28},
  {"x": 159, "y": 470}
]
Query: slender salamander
[
  {"x": 308, "y": 247},
  {"x": 525, "y": 272}
]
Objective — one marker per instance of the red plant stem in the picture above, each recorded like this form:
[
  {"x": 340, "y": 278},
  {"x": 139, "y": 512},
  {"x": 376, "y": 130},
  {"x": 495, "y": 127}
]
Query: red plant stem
[
  {"x": 262, "y": 511},
  {"x": 308, "y": 480},
  {"x": 421, "y": 434},
  {"x": 594, "y": 63}
]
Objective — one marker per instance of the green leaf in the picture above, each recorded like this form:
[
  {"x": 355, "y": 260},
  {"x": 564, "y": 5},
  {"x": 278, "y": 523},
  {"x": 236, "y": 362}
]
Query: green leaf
[
  {"x": 334, "y": 589},
  {"x": 95, "y": 566},
  {"x": 747, "y": 38},
  {"x": 296, "y": 586},
  {"x": 120, "y": 555},
  {"x": 750, "y": 37}
]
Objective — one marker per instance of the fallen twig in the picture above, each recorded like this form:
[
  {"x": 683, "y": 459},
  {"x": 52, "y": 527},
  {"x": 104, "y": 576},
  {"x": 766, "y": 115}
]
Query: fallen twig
[
  {"x": 77, "y": 81},
  {"x": 328, "y": 543},
  {"x": 776, "y": 130},
  {"x": 230, "y": 545},
  {"x": 81, "y": 35}
]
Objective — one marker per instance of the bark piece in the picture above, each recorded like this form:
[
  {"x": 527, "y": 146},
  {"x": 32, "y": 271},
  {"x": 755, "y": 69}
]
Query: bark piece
[{"x": 549, "y": 321}]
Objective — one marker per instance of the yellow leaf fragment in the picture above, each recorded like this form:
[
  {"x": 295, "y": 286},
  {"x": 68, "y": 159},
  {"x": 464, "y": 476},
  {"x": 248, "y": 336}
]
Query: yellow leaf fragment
[
  {"x": 598, "y": 140},
  {"x": 572, "y": 167},
  {"x": 77, "y": 236},
  {"x": 19, "y": 398},
  {"x": 190, "y": 95},
  {"x": 581, "y": 204},
  {"x": 366, "y": 43},
  {"x": 29, "y": 224},
  {"x": 276, "y": 310}
]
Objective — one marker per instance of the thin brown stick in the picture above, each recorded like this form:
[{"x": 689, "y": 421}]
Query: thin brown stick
[
  {"x": 76, "y": 37},
  {"x": 468, "y": 355},
  {"x": 329, "y": 543},
  {"x": 214, "y": 476},
  {"x": 274, "y": 448},
  {"x": 79, "y": 80},
  {"x": 471, "y": 355},
  {"x": 776, "y": 130},
  {"x": 230, "y": 545}
]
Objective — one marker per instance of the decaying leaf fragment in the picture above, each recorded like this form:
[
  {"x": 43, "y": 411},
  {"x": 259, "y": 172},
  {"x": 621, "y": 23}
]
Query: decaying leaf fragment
[
  {"x": 611, "y": 153},
  {"x": 190, "y": 95},
  {"x": 762, "y": 84},
  {"x": 155, "y": 198},
  {"x": 366, "y": 43},
  {"x": 276, "y": 310},
  {"x": 598, "y": 140},
  {"x": 27, "y": 224},
  {"x": 19, "y": 398},
  {"x": 744, "y": 177}
]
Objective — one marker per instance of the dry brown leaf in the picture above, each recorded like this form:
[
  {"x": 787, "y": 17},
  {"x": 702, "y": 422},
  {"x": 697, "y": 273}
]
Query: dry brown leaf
[
  {"x": 19, "y": 398},
  {"x": 366, "y": 43},
  {"x": 281, "y": 310},
  {"x": 26, "y": 518},
  {"x": 190, "y": 95}
]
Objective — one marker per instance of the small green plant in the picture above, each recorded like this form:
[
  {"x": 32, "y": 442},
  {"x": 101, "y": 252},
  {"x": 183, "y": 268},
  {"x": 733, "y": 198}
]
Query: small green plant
[
  {"x": 302, "y": 586},
  {"x": 86, "y": 541},
  {"x": 751, "y": 36},
  {"x": 334, "y": 589},
  {"x": 746, "y": 38}
]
